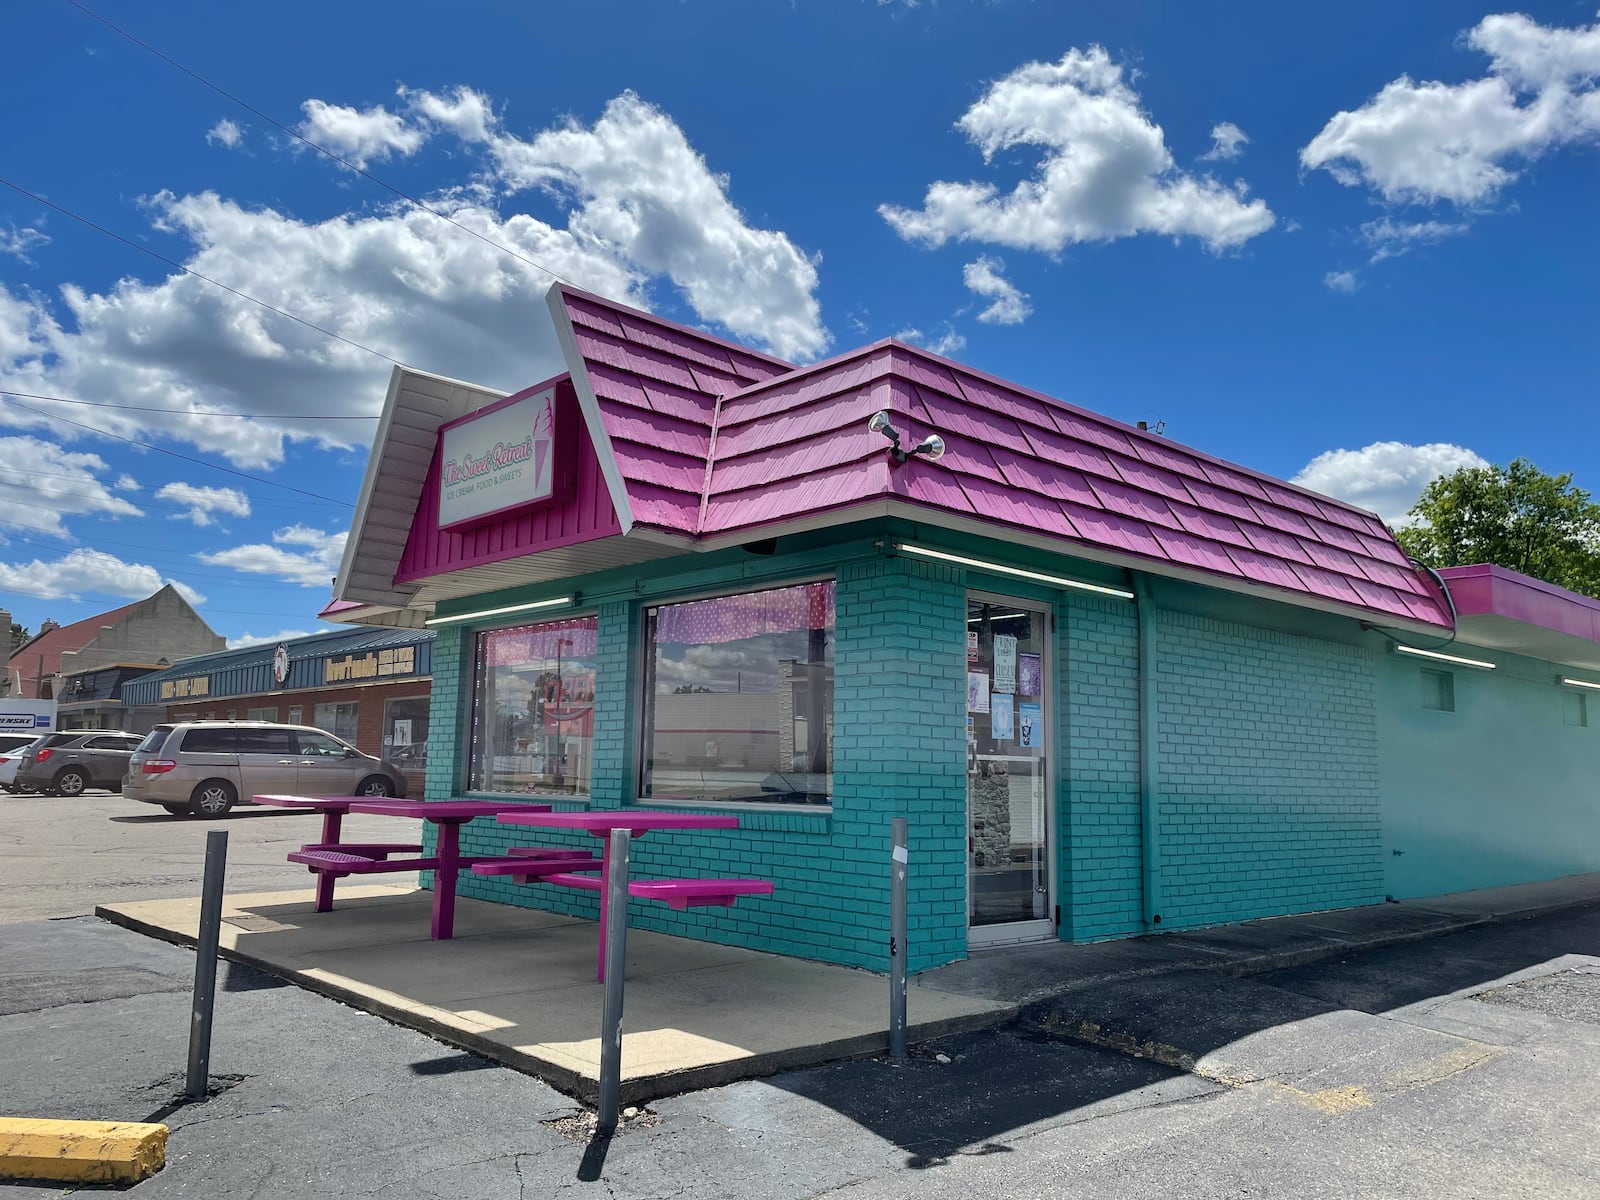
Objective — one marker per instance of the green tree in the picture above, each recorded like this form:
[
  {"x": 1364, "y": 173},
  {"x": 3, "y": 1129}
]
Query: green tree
[
  {"x": 19, "y": 635},
  {"x": 1515, "y": 516}
]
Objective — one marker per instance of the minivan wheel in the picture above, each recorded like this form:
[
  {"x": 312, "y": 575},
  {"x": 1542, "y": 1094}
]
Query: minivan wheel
[
  {"x": 177, "y": 810},
  {"x": 213, "y": 798},
  {"x": 375, "y": 785},
  {"x": 71, "y": 783}
]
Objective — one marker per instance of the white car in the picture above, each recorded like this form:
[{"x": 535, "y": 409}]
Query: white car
[{"x": 11, "y": 747}]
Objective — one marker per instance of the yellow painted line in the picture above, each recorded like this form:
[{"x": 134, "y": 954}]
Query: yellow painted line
[{"x": 80, "y": 1151}]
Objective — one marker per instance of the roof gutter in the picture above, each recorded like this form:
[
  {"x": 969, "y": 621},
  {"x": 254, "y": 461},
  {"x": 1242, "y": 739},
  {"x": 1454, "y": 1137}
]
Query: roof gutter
[{"x": 1149, "y": 758}]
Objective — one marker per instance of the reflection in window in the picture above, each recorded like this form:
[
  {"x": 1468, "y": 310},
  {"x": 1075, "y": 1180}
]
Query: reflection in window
[
  {"x": 533, "y": 708},
  {"x": 338, "y": 719},
  {"x": 405, "y": 732},
  {"x": 739, "y": 698}
]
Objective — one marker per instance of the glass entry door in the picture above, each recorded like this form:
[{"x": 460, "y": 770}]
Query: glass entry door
[{"x": 1010, "y": 889}]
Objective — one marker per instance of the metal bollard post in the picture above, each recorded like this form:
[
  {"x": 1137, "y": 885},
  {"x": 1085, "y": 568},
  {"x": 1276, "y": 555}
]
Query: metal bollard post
[
  {"x": 897, "y": 938},
  {"x": 205, "y": 965},
  {"x": 616, "y": 963}
]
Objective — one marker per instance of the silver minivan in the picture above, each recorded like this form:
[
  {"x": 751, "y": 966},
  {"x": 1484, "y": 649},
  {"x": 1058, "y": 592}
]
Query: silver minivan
[{"x": 206, "y": 767}]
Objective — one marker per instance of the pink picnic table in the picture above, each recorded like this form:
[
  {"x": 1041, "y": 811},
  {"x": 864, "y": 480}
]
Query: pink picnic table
[
  {"x": 600, "y": 823},
  {"x": 449, "y": 816}
]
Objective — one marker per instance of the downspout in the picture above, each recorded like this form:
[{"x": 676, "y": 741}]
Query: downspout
[{"x": 1149, "y": 763}]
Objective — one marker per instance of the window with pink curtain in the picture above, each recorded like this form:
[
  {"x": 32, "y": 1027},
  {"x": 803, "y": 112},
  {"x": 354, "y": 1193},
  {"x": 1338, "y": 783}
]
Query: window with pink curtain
[
  {"x": 533, "y": 708},
  {"x": 739, "y": 698}
]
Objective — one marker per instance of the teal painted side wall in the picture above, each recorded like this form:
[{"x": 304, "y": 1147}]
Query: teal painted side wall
[
  {"x": 1501, "y": 791},
  {"x": 1269, "y": 778},
  {"x": 899, "y": 712},
  {"x": 1097, "y": 682}
]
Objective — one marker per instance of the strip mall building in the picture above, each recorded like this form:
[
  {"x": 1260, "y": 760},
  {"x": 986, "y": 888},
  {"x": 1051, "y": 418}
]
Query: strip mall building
[
  {"x": 1118, "y": 686},
  {"x": 367, "y": 686}
]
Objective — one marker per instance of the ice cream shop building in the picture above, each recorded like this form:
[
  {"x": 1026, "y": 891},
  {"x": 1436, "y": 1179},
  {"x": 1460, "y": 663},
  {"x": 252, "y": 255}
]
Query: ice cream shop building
[{"x": 1116, "y": 685}]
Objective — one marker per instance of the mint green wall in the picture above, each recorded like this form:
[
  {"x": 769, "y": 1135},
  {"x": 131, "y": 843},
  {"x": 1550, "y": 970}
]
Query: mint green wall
[
  {"x": 899, "y": 698},
  {"x": 1500, "y": 791},
  {"x": 1266, "y": 744}
]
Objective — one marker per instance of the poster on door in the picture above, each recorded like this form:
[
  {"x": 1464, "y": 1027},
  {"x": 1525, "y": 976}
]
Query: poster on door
[
  {"x": 1002, "y": 718},
  {"x": 977, "y": 692},
  {"x": 1005, "y": 663},
  {"x": 1028, "y": 717},
  {"x": 1030, "y": 674}
]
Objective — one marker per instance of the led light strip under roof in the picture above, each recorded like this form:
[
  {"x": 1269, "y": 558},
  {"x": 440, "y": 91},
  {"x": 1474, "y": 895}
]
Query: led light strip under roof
[
  {"x": 1449, "y": 658},
  {"x": 1017, "y": 572},
  {"x": 1583, "y": 683},
  {"x": 498, "y": 612}
]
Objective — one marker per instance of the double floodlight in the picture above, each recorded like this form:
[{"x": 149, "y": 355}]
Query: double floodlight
[{"x": 930, "y": 447}]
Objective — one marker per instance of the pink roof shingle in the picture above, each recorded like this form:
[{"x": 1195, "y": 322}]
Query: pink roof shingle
[{"x": 713, "y": 440}]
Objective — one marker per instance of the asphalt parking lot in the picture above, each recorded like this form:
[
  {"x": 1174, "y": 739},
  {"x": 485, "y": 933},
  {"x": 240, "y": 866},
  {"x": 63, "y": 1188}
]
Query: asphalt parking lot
[{"x": 1460, "y": 1066}]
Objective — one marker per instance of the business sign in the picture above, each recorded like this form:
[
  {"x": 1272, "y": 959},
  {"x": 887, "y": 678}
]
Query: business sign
[
  {"x": 186, "y": 689},
  {"x": 280, "y": 664},
  {"x": 374, "y": 664},
  {"x": 498, "y": 459},
  {"x": 27, "y": 716}
]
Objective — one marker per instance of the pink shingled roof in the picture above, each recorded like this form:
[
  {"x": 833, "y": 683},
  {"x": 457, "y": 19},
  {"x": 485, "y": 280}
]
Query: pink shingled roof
[{"x": 712, "y": 439}]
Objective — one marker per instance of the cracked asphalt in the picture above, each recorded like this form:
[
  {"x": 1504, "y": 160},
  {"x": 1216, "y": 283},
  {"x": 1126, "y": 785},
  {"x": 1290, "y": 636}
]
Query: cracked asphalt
[{"x": 1463, "y": 1066}]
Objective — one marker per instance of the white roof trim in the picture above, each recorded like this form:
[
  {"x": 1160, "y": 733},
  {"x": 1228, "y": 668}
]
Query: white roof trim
[
  {"x": 589, "y": 403},
  {"x": 394, "y": 480}
]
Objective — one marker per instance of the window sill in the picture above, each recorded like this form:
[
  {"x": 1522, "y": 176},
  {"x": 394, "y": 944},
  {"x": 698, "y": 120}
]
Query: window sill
[{"x": 781, "y": 818}]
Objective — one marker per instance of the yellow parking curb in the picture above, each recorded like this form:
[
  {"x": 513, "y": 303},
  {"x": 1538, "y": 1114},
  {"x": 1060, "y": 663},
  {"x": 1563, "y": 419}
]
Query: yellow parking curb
[{"x": 81, "y": 1151}]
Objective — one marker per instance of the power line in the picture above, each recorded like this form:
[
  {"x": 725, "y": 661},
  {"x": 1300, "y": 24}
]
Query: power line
[
  {"x": 113, "y": 493},
  {"x": 199, "y": 462},
  {"x": 175, "y": 264},
  {"x": 300, "y": 137},
  {"x": 197, "y": 412}
]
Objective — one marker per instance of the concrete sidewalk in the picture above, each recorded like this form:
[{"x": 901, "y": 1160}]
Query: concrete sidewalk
[
  {"x": 517, "y": 985},
  {"x": 1030, "y": 974}
]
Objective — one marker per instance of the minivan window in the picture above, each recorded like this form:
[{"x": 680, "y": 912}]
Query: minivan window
[
  {"x": 154, "y": 740},
  {"x": 264, "y": 741},
  {"x": 319, "y": 743},
  {"x": 211, "y": 741}
]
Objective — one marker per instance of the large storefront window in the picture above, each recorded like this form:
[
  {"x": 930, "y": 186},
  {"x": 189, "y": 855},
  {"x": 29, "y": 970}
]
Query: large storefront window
[
  {"x": 337, "y": 719},
  {"x": 739, "y": 698},
  {"x": 533, "y": 708},
  {"x": 405, "y": 732}
]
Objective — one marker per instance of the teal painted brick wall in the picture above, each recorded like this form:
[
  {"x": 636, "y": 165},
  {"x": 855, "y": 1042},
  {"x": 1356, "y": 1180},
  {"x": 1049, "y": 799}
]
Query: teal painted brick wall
[
  {"x": 1499, "y": 791},
  {"x": 1097, "y": 679},
  {"x": 1268, "y": 745},
  {"x": 899, "y": 712}
]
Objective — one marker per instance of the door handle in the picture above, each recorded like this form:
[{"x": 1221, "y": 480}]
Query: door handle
[{"x": 286, "y": 762}]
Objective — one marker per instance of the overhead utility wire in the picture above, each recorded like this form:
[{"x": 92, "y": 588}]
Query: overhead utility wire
[
  {"x": 199, "y": 462},
  {"x": 174, "y": 263},
  {"x": 300, "y": 137},
  {"x": 194, "y": 412}
]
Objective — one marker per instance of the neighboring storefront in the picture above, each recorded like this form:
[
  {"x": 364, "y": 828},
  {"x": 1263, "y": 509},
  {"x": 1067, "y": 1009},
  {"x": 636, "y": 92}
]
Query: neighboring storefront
[
  {"x": 367, "y": 686},
  {"x": 1117, "y": 686}
]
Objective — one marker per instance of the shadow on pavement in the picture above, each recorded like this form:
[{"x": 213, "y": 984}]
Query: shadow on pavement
[
  {"x": 238, "y": 814},
  {"x": 990, "y": 1084}
]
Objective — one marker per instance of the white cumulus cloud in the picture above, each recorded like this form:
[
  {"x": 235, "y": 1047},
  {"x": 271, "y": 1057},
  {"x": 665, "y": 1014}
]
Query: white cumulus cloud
[
  {"x": 361, "y": 137},
  {"x": 226, "y": 134},
  {"x": 203, "y": 503},
  {"x": 40, "y": 483},
  {"x": 947, "y": 343},
  {"x": 1104, "y": 170},
  {"x": 1340, "y": 281},
  {"x": 637, "y": 207},
  {"x": 1009, "y": 303},
  {"x": 1385, "y": 477},
  {"x": 313, "y": 566},
  {"x": 18, "y": 242},
  {"x": 1389, "y": 238},
  {"x": 1227, "y": 141},
  {"x": 83, "y": 572},
  {"x": 1464, "y": 142}
]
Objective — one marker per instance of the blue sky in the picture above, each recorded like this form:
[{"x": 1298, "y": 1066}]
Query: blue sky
[{"x": 1351, "y": 246}]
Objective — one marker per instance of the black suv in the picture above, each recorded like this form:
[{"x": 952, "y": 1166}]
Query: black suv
[{"x": 72, "y": 762}]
